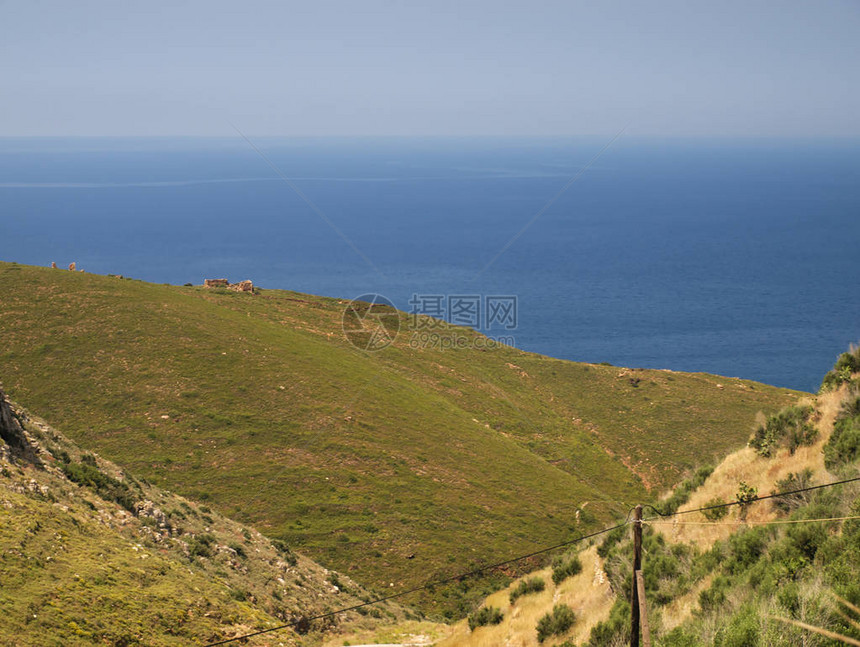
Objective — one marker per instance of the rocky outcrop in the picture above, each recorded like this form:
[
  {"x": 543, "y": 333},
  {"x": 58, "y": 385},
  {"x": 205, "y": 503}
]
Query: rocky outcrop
[
  {"x": 241, "y": 286},
  {"x": 15, "y": 442}
]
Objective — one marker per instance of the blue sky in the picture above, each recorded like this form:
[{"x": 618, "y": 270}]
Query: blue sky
[{"x": 430, "y": 68}]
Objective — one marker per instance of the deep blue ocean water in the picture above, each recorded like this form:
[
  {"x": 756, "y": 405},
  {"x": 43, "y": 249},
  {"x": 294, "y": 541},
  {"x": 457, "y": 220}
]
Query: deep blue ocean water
[{"x": 733, "y": 257}]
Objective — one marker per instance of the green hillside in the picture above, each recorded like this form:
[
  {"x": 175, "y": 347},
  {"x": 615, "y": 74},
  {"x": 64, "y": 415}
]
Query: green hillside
[
  {"x": 735, "y": 575},
  {"x": 393, "y": 466},
  {"x": 89, "y": 555}
]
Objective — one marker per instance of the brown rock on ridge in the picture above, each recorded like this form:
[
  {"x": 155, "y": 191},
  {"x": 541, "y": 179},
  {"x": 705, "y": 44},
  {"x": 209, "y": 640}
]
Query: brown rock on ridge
[
  {"x": 14, "y": 441},
  {"x": 242, "y": 286}
]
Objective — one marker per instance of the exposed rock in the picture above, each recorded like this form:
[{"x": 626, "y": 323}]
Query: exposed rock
[
  {"x": 17, "y": 444},
  {"x": 242, "y": 286}
]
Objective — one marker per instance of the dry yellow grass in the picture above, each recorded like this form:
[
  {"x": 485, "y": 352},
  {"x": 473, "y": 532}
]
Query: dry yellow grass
[
  {"x": 760, "y": 473},
  {"x": 408, "y": 634},
  {"x": 588, "y": 594}
]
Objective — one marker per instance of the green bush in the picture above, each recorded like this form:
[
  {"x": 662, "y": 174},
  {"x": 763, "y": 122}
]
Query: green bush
[
  {"x": 614, "y": 629},
  {"x": 745, "y": 548},
  {"x": 680, "y": 637},
  {"x": 564, "y": 568},
  {"x": 484, "y": 617},
  {"x": 556, "y": 623},
  {"x": 843, "y": 447},
  {"x": 745, "y": 495},
  {"x": 107, "y": 487},
  {"x": 610, "y": 540},
  {"x": 715, "y": 514},
  {"x": 790, "y": 483},
  {"x": 201, "y": 545},
  {"x": 742, "y": 630},
  {"x": 286, "y": 552},
  {"x": 846, "y": 364},
  {"x": 681, "y": 494},
  {"x": 791, "y": 427},
  {"x": 530, "y": 585},
  {"x": 715, "y": 595}
]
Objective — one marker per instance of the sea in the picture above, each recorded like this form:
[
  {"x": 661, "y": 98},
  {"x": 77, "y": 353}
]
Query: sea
[{"x": 739, "y": 257}]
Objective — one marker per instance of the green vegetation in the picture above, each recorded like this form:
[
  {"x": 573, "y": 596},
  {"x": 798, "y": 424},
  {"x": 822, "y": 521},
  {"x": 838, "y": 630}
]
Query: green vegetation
[
  {"x": 791, "y": 427},
  {"x": 791, "y": 483},
  {"x": 556, "y": 623},
  {"x": 485, "y": 616},
  {"x": 843, "y": 448},
  {"x": 258, "y": 405},
  {"x": 745, "y": 495},
  {"x": 846, "y": 364},
  {"x": 798, "y": 571},
  {"x": 77, "y": 569},
  {"x": 681, "y": 494},
  {"x": 527, "y": 586},
  {"x": 718, "y": 509},
  {"x": 108, "y": 488},
  {"x": 564, "y": 567}
]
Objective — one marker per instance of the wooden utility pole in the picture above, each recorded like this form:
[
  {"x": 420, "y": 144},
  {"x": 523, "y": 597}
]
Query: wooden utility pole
[
  {"x": 637, "y": 566},
  {"x": 643, "y": 610}
]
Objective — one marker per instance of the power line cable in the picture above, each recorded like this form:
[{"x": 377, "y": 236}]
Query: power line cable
[
  {"x": 774, "y": 495},
  {"x": 519, "y": 558},
  {"x": 654, "y": 522},
  {"x": 440, "y": 582}
]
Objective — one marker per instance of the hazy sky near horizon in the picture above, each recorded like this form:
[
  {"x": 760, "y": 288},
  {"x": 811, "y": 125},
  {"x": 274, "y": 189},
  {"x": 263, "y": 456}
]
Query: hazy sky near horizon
[{"x": 430, "y": 68}]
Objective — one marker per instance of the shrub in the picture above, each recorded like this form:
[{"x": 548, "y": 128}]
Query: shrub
[
  {"x": 286, "y": 552},
  {"x": 746, "y": 494},
  {"x": 612, "y": 538},
  {"x": 792, "y": 482},
  {"x": 201, "y": 545},
  {"x": 681, "y": 494},
  {"x": 531, "y": 585},
  {"x": 715, "y": 514},
  {"x": 714, "y": 596},
  {"x": 556, "y": 623},
  {"x": 846, "y": 364},
  {"x": 199, "y": 549},
  {"x": 742, "y": 630},
  {"x": 484, "y": 617},
  {"x": 746, "y": 547},
  {"x": 843, "y": 447},
  {"x": 565, "y": 568},
  {"x": 107, "y": 487},
  {"x": 614, "y": 629},
  {"x": 790, "y": 426}
]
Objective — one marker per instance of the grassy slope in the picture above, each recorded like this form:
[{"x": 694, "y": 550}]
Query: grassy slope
[
  {"x": 77, "y": 569},
  {"x": 592, "y": 597},
  {"x": 359, "y": 459}
]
